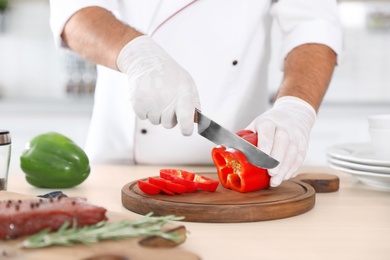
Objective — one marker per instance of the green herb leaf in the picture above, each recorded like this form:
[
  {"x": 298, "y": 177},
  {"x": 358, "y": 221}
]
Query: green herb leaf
[{"x": 66, "y": 236}]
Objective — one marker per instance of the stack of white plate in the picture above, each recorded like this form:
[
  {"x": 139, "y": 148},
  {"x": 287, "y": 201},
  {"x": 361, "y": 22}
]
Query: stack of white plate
[{"x": 358, "y": 159}]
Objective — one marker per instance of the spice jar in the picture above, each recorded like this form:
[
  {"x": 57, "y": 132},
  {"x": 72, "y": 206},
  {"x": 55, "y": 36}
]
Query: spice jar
[{"x": 5, "y": 156}]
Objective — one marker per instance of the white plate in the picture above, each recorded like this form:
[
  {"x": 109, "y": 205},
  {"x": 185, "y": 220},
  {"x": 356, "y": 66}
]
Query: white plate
[
  {"x": 379, "y": 181},
  {"x": 358, "y": 166},
  {"x": 361, "y": 153}
]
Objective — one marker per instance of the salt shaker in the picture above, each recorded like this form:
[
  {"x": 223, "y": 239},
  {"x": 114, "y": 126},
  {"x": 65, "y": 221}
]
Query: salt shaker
[{"x": 5, "y": 156}]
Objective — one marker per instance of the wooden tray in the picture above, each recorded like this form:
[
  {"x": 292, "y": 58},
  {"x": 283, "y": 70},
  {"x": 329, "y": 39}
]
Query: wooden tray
[
  {"x": 131, "y": 248},
  {"x": 291, "y": 198}
]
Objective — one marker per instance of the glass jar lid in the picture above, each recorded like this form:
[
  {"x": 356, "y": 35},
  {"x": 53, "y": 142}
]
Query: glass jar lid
[{"x": 5, "y": 137}]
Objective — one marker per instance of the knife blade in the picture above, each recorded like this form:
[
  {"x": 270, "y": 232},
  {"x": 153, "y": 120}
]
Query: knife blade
[{"x": 221, "y": 136}]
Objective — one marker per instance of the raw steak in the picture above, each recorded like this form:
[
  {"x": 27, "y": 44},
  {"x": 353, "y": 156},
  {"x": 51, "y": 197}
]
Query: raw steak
[{"x": 26, "y": 217}]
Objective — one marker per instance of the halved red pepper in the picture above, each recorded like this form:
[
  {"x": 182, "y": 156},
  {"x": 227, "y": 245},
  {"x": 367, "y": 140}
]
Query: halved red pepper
[
  {"x": 191, "y": 180},
  {"x": 234, "y": 170}
]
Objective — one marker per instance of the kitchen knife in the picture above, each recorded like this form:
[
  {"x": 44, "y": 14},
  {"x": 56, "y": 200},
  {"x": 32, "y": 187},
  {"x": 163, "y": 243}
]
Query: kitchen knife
[{"x": 221, "y": 136}]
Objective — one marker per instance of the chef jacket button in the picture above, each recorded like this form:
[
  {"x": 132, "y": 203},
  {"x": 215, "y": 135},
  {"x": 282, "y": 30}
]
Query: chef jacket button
[
  {"x": 234, "y": 62},
  {"x": 144, "y": 131}
]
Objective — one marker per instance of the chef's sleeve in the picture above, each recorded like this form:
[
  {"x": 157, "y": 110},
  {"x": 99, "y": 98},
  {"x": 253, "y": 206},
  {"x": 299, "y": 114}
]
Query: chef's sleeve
[
  {"x": 62, "y": 10},
  {"x": 308, "y": 21}
]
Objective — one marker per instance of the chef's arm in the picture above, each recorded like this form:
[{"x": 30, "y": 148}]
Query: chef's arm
[
  {"x": 97, "y": 35},
  {"x": 308, "y": 70},
  {"x": 285, "y": 128}
]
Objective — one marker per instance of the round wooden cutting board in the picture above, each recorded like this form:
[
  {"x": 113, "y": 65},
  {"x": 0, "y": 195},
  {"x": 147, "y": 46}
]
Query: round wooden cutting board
[{"x": 291, "y": 198}]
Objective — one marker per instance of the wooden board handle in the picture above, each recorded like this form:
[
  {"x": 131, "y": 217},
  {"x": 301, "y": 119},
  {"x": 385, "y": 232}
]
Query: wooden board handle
[
  {"x": 321, "y": 182},
  {"x": 154, "y": 241}
]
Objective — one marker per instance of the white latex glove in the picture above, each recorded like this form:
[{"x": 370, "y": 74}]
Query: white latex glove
[
  {"x": 283, "y": 132},
  {"x": 160, "y": 89}
]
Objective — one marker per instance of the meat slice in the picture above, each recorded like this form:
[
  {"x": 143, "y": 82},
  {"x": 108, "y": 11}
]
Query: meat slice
[{"x": 26, "y": 217}]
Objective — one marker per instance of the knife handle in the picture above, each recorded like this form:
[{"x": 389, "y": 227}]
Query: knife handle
[{"x": 196, "y": 115}]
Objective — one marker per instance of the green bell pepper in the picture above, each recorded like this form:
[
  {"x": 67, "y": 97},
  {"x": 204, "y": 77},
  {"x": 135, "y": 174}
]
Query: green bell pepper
[
  {"x": 52, "y": 160},
  {"x": 3, "y": 5}
]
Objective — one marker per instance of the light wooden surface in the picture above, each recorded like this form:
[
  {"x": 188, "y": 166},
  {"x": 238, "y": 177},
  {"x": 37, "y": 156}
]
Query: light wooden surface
[{"x": 352, "y": 223}]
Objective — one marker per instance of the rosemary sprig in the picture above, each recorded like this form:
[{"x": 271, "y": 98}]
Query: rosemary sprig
[{"x": 65, "y": 236}]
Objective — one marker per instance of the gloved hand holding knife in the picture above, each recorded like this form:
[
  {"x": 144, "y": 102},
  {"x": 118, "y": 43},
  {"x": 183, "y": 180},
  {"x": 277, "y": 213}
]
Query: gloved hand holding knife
[{"x": 160, "y": 89}]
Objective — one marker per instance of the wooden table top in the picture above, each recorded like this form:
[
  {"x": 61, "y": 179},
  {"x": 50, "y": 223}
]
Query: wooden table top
[{"x": 352, "y": 223}]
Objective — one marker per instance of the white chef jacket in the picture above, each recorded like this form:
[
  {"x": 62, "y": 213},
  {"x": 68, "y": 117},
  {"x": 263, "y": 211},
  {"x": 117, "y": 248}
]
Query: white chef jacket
[{"x": 224, "y": 44}]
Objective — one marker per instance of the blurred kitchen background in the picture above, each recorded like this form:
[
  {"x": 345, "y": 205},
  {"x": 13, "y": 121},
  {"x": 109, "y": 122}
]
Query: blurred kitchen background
[{"x": 44, "y": 89}]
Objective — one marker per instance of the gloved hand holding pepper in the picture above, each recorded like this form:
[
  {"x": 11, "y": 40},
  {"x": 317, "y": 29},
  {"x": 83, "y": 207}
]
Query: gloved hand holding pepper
[
  {"x": 160, "y": 89},
  {"x": 283, "y": 133}
]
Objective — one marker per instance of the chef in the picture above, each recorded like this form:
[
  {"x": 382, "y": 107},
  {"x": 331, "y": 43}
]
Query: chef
[{"x": 160, "y": 60}]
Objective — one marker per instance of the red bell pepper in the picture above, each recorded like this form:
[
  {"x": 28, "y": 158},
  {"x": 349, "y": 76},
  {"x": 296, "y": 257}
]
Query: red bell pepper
[
  {"x": 234, "y": 170},
  {"x": 248, "y": 135},
  {"x": 191, "y": 180}
]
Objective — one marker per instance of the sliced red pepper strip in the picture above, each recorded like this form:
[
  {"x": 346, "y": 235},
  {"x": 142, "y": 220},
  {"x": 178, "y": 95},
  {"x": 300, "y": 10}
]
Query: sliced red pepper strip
[
  {"x": 148, "y": 188},
  {"x": 178, "y": 176},
  {"x": 234, "y": 170},
  {"x": 205, "y": 183},
  {"x": 152, "y": 189},
  {"x": 169, "y": 185},
  {"x": 189, "y": 179}
]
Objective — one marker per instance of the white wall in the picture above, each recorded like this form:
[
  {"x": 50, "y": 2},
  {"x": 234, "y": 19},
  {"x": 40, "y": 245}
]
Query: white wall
[
  {"x": 27, "y": 118},
  {"x": 30, "y": 66}
]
